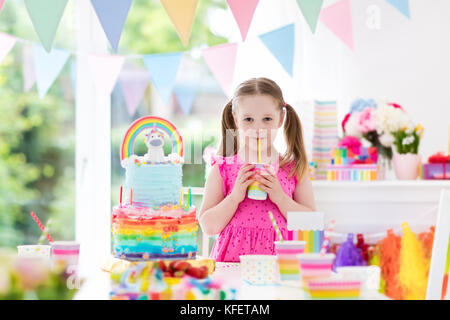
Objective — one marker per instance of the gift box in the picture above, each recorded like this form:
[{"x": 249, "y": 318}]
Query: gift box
[{"x": 437, "y": 168}]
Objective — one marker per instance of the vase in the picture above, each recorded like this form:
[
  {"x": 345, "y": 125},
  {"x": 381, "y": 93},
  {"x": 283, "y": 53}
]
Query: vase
[{"x": 406, "y": 166}]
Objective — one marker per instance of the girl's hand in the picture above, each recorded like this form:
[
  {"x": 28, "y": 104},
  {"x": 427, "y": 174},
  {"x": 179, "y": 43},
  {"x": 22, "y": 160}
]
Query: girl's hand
[
  {"x": 269, "y": 183},
  {"x": 244, "y": 179}
]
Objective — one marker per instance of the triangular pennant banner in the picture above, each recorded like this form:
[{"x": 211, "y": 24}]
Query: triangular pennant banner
[
  {"x": 182, "y": 14},
  {"x": 112, "y": 15},
  {"x": 338, "y": 18},
  {"x": 402, "y": 6},
  {"x": 134, "y": 83},
  {"x": 185, "y": 95},
  {"x": 7, "y": 42},
  {"x": 310, "y": 10},
  {"x": 221, "y": 61},
  {"x": 29, "y": 75},
  {"x": 105, "y": 70},
  {"x": 45, "y": 16},
  {"x": 163, "y": 72},
  {"x": 48, "y": 66},
  {"x": 243, "y": 14},
  {"x": 1, "y": 4},
  {"x": 281, "y": 43}
]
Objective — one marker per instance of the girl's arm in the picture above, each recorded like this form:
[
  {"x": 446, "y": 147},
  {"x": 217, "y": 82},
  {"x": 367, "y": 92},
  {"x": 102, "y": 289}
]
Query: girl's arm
[
  {"x": 303, "y": 198},
  {"x": 217, "y": 210}
]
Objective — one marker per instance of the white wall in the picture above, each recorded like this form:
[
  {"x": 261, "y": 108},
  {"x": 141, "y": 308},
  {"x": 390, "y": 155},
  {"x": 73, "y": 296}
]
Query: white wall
[{"x": 405, "y": 61}]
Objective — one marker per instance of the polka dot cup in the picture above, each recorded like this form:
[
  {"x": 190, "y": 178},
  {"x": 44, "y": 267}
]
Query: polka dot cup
[
  {"x": 34, "y": 250},
  {"x": 259, "y": 269}
]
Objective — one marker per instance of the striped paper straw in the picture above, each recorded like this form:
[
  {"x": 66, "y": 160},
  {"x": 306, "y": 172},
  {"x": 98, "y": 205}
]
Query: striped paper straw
[
  {"x": 275, "y": 226},
  {"x": 326, "y": 240},
  {"x": 41, "y": 226}
]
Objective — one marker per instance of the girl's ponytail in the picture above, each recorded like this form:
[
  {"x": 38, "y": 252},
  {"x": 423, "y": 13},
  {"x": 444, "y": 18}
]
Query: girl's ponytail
[
  {"x": 293, "y": 135},
  {"x": 229, "y": 144}
]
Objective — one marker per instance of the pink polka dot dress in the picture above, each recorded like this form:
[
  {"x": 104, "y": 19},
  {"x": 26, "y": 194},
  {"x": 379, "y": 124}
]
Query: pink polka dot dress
[{"x": 249, "y": 230}]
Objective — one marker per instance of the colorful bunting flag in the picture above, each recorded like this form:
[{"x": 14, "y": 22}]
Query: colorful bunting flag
[
  {"x": 163, "y": 71},
  {"x": 45, "y": 16},
  {"x": 134, "y": 83},
  {"x": 310, "y": 10},
  {"x": 7, "y": 42},
  {"x": 1, "y": 4},
  {"x": 281, "y": 43},
  {"x": 182, "y": 14},
  {"x": 48, "y": 66},
  {"x": 243, "y": 14},
  {"x": 402, "y": 6},
  {"x": 112, "y": 15},
  {"x": 338, "y": 18},
  {"x": 221, "y": 61},
  {"x": 105, "y": 70},
  {"x": 185, "y": 95}
]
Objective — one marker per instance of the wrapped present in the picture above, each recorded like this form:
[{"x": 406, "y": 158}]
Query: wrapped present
[{"x": 437, "y": 168}]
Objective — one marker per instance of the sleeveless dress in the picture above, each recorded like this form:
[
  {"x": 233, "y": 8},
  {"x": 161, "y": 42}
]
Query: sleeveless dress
[{"x": 250, "y": 230}]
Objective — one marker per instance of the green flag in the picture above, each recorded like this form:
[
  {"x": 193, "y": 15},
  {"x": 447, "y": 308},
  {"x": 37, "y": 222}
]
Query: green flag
[
  {"x": 311, "y": 11},
  {"x": 45, "y": 16}
]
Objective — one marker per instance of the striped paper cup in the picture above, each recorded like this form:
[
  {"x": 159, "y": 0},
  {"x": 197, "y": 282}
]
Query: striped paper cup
[
  {"x": 334, "y": 288},
  {"x": 258, "y": 269},
  {"x": 65, "y": 251},
  {"x": 287, "y": 258},
  {"x": 315, "y": 265}
]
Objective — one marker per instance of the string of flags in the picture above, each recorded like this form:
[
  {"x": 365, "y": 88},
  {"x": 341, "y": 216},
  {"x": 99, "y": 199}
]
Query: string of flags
[{"x": 46, "y": 15}]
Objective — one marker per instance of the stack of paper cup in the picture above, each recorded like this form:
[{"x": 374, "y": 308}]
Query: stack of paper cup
[
  {"x": 34, "y": 250},
  {"x": 315, "y": 265},
  {"x": 65, "y": 251},
  {"x": 287, "y": 257}
]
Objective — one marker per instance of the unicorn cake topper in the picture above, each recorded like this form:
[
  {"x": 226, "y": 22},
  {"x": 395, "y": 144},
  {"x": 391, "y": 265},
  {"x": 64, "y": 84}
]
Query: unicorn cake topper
[
  {"x": 155, "y": 143},
  {"x": 157, "y": 130}
]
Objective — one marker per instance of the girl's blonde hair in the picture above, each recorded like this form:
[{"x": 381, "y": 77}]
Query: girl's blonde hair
[{"x": 293, "y": 132}]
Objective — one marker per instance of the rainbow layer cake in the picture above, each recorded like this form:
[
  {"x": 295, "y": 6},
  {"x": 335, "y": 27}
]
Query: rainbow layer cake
[{"x": 153, "y": 222}]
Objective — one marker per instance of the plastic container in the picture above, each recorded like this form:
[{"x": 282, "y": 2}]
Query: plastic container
[
  {"x": 259, "y": 269},
  {"x": 66, "y": 251},
  {"x": 254, "y": 191},
  {"x": 287, "y": 258}
]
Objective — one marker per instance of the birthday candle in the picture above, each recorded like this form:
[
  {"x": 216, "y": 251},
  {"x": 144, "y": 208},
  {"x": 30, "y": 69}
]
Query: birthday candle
[
  {"x": 181, "y": 197},
  {"x": 120, "y": 196},
  {"x": 190, "y": 197},
  {"x": 131, "y": 197}
]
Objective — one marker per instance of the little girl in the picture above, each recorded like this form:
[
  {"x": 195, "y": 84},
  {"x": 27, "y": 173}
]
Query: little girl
[{"x": 256, "y": 111}]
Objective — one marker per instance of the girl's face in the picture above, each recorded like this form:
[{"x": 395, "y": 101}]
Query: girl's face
[{"x": 257, "y": 116}]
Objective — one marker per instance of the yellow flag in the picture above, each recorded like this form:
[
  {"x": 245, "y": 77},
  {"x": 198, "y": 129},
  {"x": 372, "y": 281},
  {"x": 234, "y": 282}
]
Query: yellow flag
[{"x": 182, "y": 13}]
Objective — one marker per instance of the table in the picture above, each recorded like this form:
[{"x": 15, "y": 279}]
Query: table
[{"x": 98, "y": 286}]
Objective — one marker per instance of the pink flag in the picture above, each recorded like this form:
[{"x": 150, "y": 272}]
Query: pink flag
[
  {"x": 134, "y": 83},
  {"x": 338, "y": 18},
  {"x": 7, "y": 42},
  {"x": 1, "y": 4},
  {"x": 221, "y": 60},
  {"x": 243, "y": 13},
  {"x": 105, "y": 70}
]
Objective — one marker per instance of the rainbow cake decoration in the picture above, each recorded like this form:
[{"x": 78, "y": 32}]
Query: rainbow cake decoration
[{"x": 152, "y": 222}]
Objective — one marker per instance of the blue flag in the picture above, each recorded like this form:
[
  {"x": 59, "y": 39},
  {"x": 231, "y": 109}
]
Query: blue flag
[
  {"x": 281, "y": 43},
  {"x": 163, "y": 70}
]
